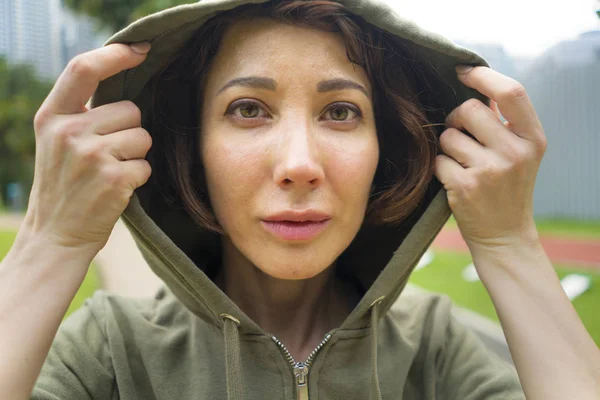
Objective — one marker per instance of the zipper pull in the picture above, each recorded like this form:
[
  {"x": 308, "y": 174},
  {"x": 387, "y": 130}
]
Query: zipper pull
[{"x": 301, "y": 373}]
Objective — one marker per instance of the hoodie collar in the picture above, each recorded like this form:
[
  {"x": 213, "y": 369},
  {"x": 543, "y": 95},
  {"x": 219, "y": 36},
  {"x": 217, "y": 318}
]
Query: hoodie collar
[{"x": 380, "y": 259}]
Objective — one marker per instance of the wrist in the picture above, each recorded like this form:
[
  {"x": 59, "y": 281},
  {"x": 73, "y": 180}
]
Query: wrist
[
  {"x": 515, "y": 259},
  {"x": 47, "y": 240},
  {"x": 30, "y": 244},
  {"x": 525, "y": 238}
]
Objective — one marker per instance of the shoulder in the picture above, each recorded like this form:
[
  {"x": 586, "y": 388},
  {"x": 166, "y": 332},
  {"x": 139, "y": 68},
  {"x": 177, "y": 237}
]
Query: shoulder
[
  {"x": 413, "y": 296},
  {"x": 420, "y": 314},
  {"x": 110, "y": 312},
  {"x": 107, "y": 322},
  {"x": 431, "y": 319},
  {"x": 102, "y": 337},
  {"x": 448, "y": 352}
]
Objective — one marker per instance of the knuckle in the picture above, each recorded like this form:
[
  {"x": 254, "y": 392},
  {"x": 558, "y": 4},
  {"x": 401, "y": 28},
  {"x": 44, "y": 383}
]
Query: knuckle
[
  {"x": 139, "y": 174},
  {"x": 468, "y": 187},
  {"x": 518, "y": 155},
  {"x": 71, "y": 127},
  {"x": 439, "y": 160},
  {"x": 453, "y": 201},
  {"x": 448, "y": 137},
  {"x": 145, "y": 139},
  {"x": 147, "y": 171},
  {"x": 91, "y": 152},
  {"x": 542, "y": 144},
  {"x": 489, "y": 170},
  {"x": 515, "y": 91},
  {"x": 64, "y": 137},
  {"x": 447, "y": 134},
  {"x": 40, "y": 119},
  {"x": 443, "y": 139},
  {"x": 80, "y": 66},
  {"x": 470, "y": 106},
  {"x": 112, "y": 176},
  {"x": 66, "y": 132},
  {"x": 133, "y": 111}
]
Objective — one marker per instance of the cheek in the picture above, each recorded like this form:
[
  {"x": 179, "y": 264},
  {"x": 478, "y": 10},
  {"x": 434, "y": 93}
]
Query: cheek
[
  {"x": 352, "y": 166},
  {"x": 232, "y": 174}
]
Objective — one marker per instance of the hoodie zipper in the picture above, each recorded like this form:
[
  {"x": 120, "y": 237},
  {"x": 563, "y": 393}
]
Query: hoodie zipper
[{"x": 301, "y": 368}]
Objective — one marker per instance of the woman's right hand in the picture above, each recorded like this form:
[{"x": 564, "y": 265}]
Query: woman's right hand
[{"x": 88, "y": 162}]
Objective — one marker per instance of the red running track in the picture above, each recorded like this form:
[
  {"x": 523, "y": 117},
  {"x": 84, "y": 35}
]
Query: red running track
[{"x": 580, "y": 253}]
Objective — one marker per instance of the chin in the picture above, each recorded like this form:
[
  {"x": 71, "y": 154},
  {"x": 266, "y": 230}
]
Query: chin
[
  {"x": 285, "y": 260},
  {"x": 293, "y": 266},
  {"x": 292, "y": 274}
]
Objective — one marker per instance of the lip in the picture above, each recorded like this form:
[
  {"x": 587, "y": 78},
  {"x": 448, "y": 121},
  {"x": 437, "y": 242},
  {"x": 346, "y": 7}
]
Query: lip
[
  {"x": 294, "y": 230},
  {"x": 296, "y": 225},
  {"x": 299, "y": 216}
]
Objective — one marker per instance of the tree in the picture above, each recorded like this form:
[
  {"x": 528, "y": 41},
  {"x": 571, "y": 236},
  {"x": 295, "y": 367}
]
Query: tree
[
  {"x": 116, "y": 14},
  {"x": 21, "y": 94}
]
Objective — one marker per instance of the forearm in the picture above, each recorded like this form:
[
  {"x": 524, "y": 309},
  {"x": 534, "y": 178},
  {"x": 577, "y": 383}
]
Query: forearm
[
  {"x": 37, "y": 283},
  {"x": 554, "y": 355}
]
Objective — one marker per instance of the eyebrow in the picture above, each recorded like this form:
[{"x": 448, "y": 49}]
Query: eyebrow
[
  {"x": 259, "y": 82},
  {"x": 340, "y": 84},
  {"x": 251, "y": 81}
]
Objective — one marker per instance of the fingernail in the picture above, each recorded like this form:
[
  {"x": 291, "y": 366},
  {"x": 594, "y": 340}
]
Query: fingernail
[
  {"x": 141, "y": 47},
  {"x": 463, "y": 69}
]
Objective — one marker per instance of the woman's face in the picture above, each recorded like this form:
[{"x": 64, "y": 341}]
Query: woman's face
[{"x": 287, "y": 126}]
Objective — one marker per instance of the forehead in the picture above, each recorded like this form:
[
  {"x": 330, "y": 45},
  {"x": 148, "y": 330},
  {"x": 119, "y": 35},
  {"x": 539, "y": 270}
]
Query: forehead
[{"x": 265, "y": 47}]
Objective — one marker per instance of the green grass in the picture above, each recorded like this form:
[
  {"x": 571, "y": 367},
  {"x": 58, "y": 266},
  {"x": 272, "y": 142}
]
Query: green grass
[
  {"x": 444, "y": 275},
  {"x": 88, "y": 287},
  {"x": 6, "y": 240},
  {"x": 560, "y": 227},
  {"x": 565, "y": 227}
]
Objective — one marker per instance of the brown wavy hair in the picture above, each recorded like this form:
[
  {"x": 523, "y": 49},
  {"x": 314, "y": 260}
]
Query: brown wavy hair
[{"x": 404, "y": 104}]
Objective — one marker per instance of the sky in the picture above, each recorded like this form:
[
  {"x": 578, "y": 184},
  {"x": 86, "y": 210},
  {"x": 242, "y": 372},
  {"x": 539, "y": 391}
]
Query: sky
[{"x": 524, "y": 27}]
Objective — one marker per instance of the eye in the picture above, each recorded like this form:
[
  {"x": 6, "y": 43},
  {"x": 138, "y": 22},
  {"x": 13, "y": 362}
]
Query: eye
[
  {"x": 340, "y": 112},
  {"x": 245, "y": 110}
]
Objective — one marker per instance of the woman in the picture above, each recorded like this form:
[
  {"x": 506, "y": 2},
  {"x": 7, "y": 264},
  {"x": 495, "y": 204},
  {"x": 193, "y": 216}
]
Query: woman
[{"x": 294, "y": 148}]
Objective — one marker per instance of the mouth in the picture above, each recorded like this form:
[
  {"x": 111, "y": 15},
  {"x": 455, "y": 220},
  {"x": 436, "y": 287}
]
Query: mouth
[
  {"x": 297, "y": 225},
  {"x": 296, "y": 230}
]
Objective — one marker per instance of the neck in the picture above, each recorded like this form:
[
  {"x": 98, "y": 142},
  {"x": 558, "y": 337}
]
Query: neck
[{"x": 298, "y": 312}]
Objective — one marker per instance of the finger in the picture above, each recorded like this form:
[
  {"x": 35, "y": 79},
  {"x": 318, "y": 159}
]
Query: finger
[
  {"x": 129, "y": 144},
  {"x": 462, "y": 148},
  {"x": 137, "y": 171},
  {"x": 447, "y": 170},
  {"x": 115, "y": 117},
  {"x": 511, "y": 96},
  {"x": 80, "y": 79},
  {"x": 480, "y": 121}
]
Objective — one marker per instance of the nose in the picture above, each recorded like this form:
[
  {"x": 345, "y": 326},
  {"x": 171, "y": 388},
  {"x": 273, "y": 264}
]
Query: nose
[{"x": 298, "y": 158}]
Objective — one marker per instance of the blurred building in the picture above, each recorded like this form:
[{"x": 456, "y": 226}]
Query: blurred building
[
  {"x": 564, "y": 85},
  {"x": 43, "y": 33},
  {"x": 78, "y": 35},
  {"x": 6, "y": 33}
]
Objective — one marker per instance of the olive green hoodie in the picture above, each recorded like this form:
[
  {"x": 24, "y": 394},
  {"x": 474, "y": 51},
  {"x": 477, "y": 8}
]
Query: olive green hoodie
[{"x": 192, "y": 342}]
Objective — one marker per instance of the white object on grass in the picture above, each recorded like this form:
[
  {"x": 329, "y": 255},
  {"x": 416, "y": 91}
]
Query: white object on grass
[
  {"x": 425, "y": 260},
  {"x": 470, "y": 274},
  {"x": 575, "y": 285}
]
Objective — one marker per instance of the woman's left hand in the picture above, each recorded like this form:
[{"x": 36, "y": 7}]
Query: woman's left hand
[{"x": 490, "y": 181}]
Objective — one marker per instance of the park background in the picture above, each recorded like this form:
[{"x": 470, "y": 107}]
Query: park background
[{"x": 552, "y": 48}]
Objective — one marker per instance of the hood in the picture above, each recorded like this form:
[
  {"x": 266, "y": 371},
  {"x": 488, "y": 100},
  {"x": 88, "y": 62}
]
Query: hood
[{"x": 380, "y": 258}]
